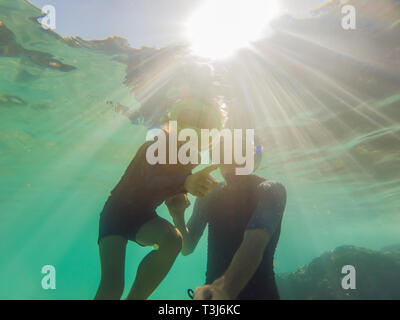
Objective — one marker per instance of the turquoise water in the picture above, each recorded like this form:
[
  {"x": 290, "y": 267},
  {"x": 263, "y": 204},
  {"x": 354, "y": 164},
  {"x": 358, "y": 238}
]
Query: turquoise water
[{"x": 333, "y": 142}]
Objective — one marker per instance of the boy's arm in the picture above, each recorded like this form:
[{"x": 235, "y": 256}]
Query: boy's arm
[
  {"x": 158, "y": 180},
  {"x": 176, "y": 206},
  {"x": 195, "y": 226},
  {"x": 166, "y": 185},
  {"x": 194, "y": 230}
]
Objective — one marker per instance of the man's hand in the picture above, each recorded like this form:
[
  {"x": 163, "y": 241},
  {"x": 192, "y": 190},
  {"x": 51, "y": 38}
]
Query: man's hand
[
  {"x": 214, "y": 291},
  {"x": 177, "y": 204},
  {"x": 201, "y": 183}
]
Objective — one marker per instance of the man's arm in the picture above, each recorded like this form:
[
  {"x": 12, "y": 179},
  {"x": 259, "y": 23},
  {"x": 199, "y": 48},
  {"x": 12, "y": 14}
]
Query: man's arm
[
  {"x": 245, "y": 263},
  {"x": 265, "y": 220}
]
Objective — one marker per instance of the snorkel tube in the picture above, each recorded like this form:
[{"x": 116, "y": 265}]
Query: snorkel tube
[{"x": 258, "y": 151}]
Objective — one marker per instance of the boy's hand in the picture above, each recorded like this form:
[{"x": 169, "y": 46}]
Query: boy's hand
[
  {"x": 201, "y": 183},
  {"x": 178, "y": 203}
]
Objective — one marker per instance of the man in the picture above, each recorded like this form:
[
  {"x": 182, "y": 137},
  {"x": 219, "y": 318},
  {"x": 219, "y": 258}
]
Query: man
[{"x": 244, "y": 216}]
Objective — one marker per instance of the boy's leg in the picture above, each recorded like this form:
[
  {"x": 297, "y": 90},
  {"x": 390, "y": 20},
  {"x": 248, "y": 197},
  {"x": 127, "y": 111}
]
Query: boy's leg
[
  {"x": 155, "y": 266},
  {"x": 112, "y": 258}
]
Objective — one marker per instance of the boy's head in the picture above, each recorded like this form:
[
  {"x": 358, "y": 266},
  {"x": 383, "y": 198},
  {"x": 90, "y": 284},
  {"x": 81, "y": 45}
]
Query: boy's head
[
  {"x": 194, "y": 100},
  {"x": 197, "y": 115}
]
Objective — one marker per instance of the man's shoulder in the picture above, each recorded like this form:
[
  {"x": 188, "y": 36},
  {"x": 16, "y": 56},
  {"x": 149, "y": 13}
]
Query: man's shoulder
[
  {"x": 273, "y": 191},
  {"x": 257, "y": 179},
  {"x": 271, "y": 185}
]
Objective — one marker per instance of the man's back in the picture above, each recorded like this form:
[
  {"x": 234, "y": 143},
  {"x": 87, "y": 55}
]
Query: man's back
[{"x": 229, "y": 209}]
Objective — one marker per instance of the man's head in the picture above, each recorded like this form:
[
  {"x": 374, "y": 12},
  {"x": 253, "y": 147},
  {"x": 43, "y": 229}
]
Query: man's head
[{"x": 230, "y": 169}]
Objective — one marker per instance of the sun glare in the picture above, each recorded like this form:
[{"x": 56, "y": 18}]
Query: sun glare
[{"x": 220, "y": 27}]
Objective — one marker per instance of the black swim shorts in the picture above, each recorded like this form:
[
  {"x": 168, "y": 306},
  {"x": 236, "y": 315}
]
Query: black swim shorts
[{"x": 123, "y": 220}]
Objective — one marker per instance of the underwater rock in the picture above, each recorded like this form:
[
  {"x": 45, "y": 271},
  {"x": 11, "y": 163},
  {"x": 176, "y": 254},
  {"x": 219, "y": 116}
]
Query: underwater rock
[
  {"x": 393, "y": 250},
  {"x": 377, "y": 275},
  {"x": 10, "y": 48}
]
